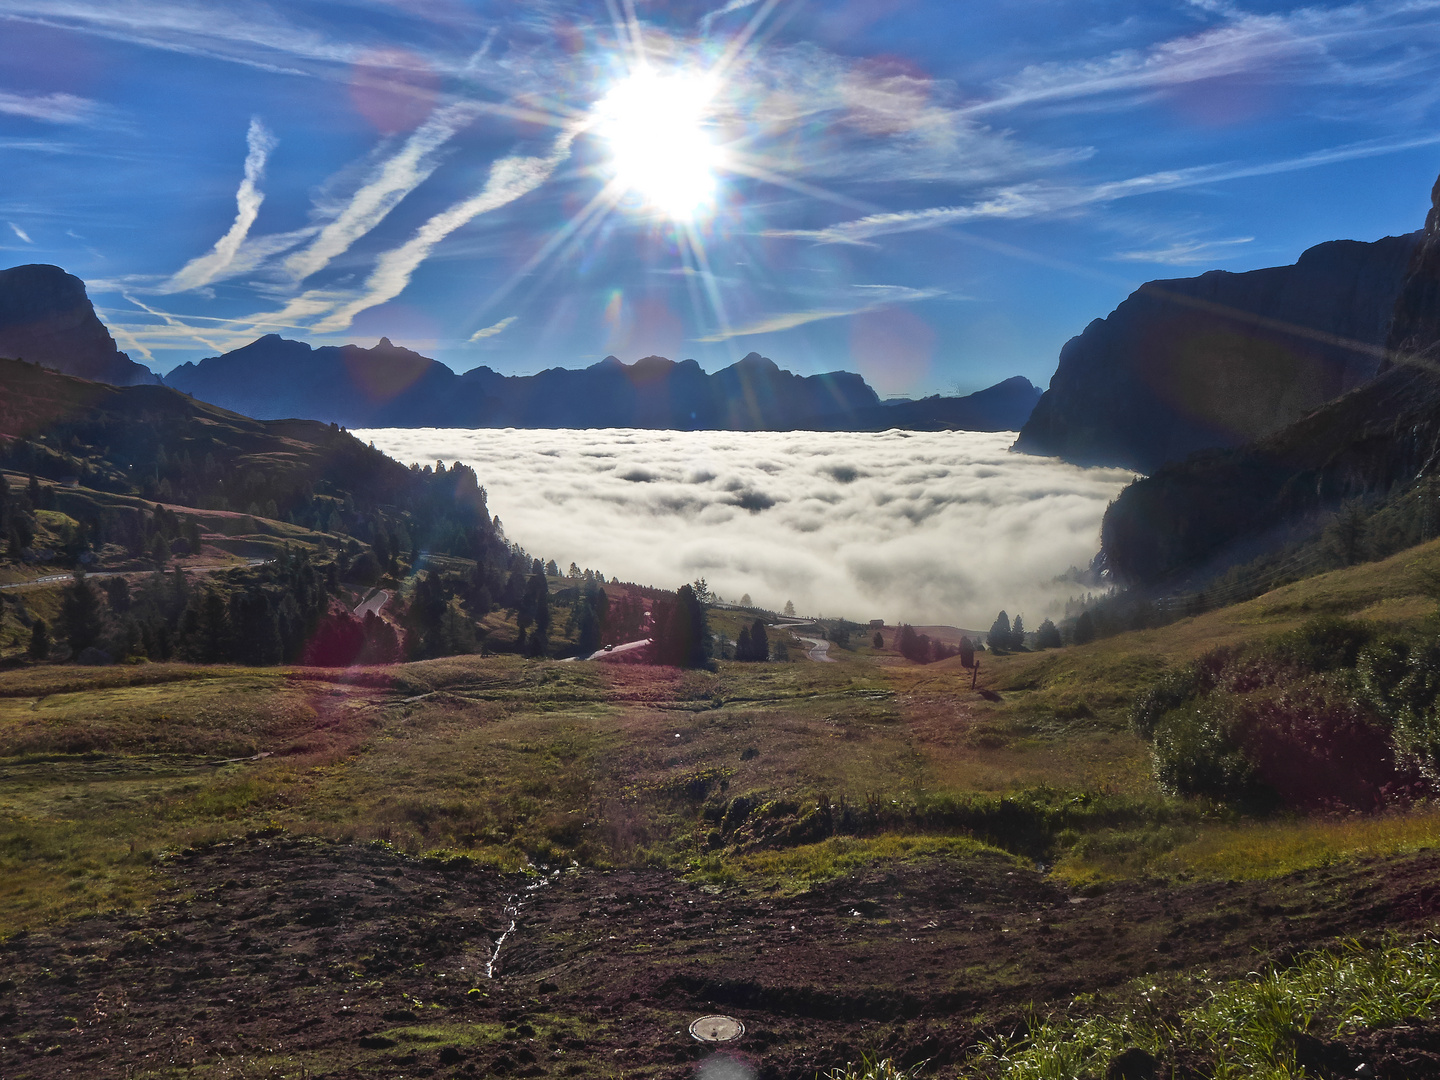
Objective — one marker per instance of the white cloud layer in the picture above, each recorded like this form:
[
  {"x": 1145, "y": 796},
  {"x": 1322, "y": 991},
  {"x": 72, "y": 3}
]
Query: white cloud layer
[{"x": 926, "y": 527}]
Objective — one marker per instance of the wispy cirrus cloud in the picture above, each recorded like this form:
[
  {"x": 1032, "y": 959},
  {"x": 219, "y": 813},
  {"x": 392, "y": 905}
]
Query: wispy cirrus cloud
[
  {"x": 21, "y": 233},
  {"x": 1040, "y": 199},
  {"x": 1348, "y": 44},
  {"x": 56, "y": 108},
  {"x": 871, "y": 297},
  {"x": 384, "y": 189},
  {"x": 215, "y": 264},
  {"x": 1185, "y": 252},
  {"x": 708, "y": 19},
  {"x": 498, "y": 328},
  {"x": 238, "y": 31},
  {"x": 510, "y": 178}
]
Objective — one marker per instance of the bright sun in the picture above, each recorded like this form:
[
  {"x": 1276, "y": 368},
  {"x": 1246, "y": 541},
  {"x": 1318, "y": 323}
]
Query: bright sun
[{"x": 657, "y": 126}]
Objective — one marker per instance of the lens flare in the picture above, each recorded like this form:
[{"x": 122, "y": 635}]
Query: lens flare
[{"x": 658, "y": 126}]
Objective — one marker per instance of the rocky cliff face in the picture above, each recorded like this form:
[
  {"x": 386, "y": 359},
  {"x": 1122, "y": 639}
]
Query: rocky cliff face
[
  {"x": 1200, "y": 511},
  {"x": 1415, "y": 328},
  {"x": 47, "y": 319},
  {"x": 1221, "y": 359}
]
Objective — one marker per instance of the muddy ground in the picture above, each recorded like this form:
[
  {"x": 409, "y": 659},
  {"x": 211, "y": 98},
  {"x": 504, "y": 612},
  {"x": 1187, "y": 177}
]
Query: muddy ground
[{"x": 277, "y": 956}]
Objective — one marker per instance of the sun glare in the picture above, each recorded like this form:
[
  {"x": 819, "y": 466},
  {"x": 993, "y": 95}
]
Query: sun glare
[{"x": 658, "y": 129}]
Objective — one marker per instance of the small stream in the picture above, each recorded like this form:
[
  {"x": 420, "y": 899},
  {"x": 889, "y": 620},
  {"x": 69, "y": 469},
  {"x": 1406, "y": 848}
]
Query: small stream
[{"x": 513, "y": 906}]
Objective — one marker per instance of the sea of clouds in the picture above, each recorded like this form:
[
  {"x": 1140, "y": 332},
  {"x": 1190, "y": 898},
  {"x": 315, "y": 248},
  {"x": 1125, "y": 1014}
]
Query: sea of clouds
[{"x": 920, "y": 527}]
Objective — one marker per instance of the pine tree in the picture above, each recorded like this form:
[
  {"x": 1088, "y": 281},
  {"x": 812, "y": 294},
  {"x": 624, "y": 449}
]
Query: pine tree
[
  {"x": 998, "y": 640},
  {"x": 1047, "y": 636},
  {"x": 682, "y": 632},
  {"x": 535, "y": 608},
  {"x": 80, "y": 617},
  {"x": 39, "y": 640},
  {"x": 759, "y": 642},
  {"x": 1017, "y": 633},
  {"x": 1084, "y": 629},
  {"x": 908, "y": 644}
]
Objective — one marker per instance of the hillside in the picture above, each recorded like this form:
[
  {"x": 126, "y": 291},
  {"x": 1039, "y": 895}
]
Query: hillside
[
  {"x": 1220, "y": 360},
  {"x": 157, "y": 442}
]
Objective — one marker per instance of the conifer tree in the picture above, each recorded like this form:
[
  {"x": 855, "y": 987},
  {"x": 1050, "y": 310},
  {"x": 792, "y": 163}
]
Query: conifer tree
[
  {"x": 999, "y": 637},
  {"x": 80, "y": 617},
  {"x": 759, "y": 642},
  {"x": 39, "y": 640},
  {"x": 1047, "y": 636}
]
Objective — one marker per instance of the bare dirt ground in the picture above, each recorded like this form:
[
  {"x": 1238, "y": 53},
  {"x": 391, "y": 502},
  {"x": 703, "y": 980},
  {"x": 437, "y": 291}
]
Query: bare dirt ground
[{"x": 277, "y": 956}]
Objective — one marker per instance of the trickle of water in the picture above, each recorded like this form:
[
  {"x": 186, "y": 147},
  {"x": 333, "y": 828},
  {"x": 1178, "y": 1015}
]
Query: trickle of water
[{"x": 513, "y": 904}]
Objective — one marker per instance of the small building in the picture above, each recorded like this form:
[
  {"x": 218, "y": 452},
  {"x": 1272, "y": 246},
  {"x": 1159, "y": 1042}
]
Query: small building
[{"x": 877, "y": 624}]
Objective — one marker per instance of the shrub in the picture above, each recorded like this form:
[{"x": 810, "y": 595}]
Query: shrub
[
  {"x": 1325, "y": 644},
  {"x": 1195, "y": 753},
  {"x": 1402, "y": 680},
  {"x": 1173, "y": 690}
]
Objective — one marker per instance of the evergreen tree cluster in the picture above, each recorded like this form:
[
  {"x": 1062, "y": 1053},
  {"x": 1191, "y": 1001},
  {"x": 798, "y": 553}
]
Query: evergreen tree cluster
[
  {"x": 682, "y": 631},
  {"x": 922, "y": 649},
  {"x": 753, "y": 644},
  {"x": 17, "y": 520}
]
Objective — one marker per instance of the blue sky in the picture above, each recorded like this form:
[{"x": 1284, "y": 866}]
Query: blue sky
[{"x": 935, "y": 194}]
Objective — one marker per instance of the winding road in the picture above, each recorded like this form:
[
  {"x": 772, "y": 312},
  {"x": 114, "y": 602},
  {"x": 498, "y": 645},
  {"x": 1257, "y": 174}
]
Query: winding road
[
  {"x": 51, "y": 579},
  {"x": 818, "y": 647},
  {"x": 375, "y": 602}
]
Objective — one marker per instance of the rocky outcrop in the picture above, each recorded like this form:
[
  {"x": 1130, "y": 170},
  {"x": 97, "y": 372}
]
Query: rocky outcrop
[
  {"x": 46, "y": 318},
  {"x": 389, "y": 386},
  {"x": 1222, "y": 359}
]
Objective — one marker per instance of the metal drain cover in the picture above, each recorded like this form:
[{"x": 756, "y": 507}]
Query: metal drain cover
[{"x": 717, "y": 1029}]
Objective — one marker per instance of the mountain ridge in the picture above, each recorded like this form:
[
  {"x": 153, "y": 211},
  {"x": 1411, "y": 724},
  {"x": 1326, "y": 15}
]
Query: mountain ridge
[{"x": 390, "y": 386}]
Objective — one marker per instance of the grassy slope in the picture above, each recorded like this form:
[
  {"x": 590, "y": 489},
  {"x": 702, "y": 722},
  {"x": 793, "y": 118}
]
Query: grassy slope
[{"x": 514, "y": 760}]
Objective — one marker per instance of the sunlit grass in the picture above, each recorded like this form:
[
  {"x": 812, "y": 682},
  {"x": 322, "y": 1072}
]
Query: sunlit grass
[
  {"x": 1238, "y": 852},
  {"x": 1245, "y": 1028},
  {"x": 811, "y": 864},
  {"x": 514, "y": 763}
]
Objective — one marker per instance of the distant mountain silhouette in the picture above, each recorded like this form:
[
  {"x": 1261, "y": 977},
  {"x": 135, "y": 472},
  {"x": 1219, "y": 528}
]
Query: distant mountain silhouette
[
  {"x": 1002, "y": 407},
  {"x": 390, "y": 386},
  {"x": 47, "y": 318},
  {"x": 1221, "y": 359}
]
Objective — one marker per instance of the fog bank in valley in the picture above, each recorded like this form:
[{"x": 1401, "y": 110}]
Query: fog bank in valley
[{"x": 925, "y": 527}]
